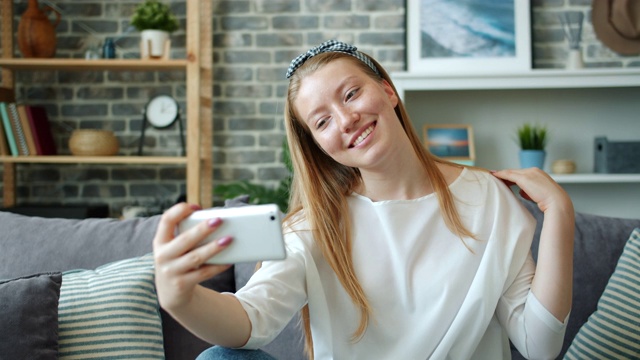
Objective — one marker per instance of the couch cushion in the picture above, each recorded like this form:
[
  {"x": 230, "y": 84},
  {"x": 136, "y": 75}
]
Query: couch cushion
[
  {"x": 112, "y": 310},
  {"x": 613, "y": 331},
  {"x": 598, "y": 243},
  {"x": 34, "y": 245},
  {"x": 29, "y": 317}
]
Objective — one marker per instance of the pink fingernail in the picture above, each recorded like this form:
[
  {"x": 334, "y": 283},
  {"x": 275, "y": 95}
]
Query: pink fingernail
[
  {"x": 195, "y": 207},
  {"x": 225, "y": 241},
  {"x": 214, "y": 222}
]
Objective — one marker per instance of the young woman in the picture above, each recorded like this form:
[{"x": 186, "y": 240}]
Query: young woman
[{"x": 392, "y": 253}]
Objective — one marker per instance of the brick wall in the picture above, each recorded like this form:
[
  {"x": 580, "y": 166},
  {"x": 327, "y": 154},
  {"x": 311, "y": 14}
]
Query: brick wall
[{"x": 253, "y": 41}]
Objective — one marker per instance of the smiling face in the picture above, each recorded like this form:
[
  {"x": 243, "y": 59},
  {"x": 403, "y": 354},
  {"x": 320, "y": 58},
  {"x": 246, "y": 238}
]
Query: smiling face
[{"x": 349, "y": 114}]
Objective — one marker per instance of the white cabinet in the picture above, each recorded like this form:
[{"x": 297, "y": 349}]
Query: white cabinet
[{"x": 576, "y": 106}]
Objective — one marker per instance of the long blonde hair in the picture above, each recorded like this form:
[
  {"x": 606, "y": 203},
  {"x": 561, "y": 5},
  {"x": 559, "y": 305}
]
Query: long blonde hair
[{"x": 321, "y": 185}]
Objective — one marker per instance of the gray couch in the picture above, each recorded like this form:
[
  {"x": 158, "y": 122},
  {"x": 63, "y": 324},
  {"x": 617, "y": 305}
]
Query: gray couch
[{"x": 33, "y": 245}]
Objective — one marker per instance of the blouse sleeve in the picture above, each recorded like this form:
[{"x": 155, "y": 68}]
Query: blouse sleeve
[
  {"x": 533, "y": 330},
  {"x": 273, "y": 295}
]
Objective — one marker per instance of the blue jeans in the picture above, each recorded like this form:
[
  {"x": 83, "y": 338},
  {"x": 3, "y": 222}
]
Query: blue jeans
[{"x": 219, "y": 352}]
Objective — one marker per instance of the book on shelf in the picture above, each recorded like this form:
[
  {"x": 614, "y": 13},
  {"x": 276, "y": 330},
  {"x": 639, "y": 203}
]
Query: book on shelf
[
  {"x": 26, "y": 127},
  {"x": 41, "y": 130},
  {"x": 21, "y": 139},
  {"x": 6, "y": 96},
  {"x": 4, "y": 146},
  {"x": 8, "y": 129}
]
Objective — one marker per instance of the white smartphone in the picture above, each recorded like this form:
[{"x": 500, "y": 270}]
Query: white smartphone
[{"x": 256, "y": 232}]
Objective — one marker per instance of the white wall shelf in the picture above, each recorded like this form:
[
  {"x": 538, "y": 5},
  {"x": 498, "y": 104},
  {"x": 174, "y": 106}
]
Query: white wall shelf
[
  {"x": 576, "y": 106},
  {"x": 534, "y": 79},
  {"x": 596, "y": 178}
]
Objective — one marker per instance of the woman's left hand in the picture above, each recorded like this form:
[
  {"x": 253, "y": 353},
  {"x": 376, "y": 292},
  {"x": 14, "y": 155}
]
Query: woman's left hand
[{"x": 537, "y": 186}]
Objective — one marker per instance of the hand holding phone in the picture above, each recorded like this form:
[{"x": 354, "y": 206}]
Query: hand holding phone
[{"x": 256, "y": 232}]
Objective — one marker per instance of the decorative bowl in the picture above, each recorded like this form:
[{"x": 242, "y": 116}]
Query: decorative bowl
[
  {"x": 563, "y": 167},
  {"x": 91, "y": 142}
]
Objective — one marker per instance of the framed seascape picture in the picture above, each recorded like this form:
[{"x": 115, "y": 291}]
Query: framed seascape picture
[
  {"x": 468, "y": 37},
  {"x": 452, "y": 142}
]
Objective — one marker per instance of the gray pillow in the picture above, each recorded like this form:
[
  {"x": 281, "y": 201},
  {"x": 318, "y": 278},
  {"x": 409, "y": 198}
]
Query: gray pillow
[
  {"x": 599, "y": 241},
  {"x": 118, "y": 302},
  {"x": 612, "y": 330},
  {"x": 33, "y": 244},
  {"x": 29, "y": 316}
]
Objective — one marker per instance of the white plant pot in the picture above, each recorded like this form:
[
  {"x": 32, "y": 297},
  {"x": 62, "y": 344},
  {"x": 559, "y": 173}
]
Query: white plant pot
[{"x": 153, "y": 43}]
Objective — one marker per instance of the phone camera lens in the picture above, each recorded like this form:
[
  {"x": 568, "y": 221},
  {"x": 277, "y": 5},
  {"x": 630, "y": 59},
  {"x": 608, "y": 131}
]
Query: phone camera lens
[{"x": 273, "y": 218}]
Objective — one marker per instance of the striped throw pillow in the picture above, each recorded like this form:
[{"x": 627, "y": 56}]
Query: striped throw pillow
[
  {"x": 110, "y": 312},
  {"x": 613, "y": 330}
]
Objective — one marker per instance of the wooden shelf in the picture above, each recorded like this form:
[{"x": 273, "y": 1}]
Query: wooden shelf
[
  {"x": 100, "y": 64},
  {"x": 596, "y": 178},
  {"x": 198, "y": 84},
  {"x": 534, "y": 79},
  {"x": 62, "y": 159}
]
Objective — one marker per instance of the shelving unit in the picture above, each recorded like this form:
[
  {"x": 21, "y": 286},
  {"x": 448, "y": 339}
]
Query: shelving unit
[
  {"x": 596, "y": 178},
  {"x": 198, "y": 69},
  {"x": 531, "y": 80},
  {"x": 150, "y": 160},
  {"x": 101, "y": 64},
  {"x": 534, "y": 79},
  {"x": 576, "y": 105}
]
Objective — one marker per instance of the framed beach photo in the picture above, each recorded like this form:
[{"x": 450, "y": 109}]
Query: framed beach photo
[
  {"x": 468, "y": 37},
  {"x": 453, "y": 142}
]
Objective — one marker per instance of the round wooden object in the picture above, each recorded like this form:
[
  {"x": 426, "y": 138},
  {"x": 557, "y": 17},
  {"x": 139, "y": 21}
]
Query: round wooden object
[
  {"x": 88, "y": 142},
  {"x": 563, "y": 167}
]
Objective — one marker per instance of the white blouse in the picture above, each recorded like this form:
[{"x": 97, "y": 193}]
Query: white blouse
[{"x": 434, "y": 296}]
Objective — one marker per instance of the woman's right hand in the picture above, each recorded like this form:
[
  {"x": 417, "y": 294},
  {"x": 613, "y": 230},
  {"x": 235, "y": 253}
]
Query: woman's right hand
[{"x": 179, "y": 261}]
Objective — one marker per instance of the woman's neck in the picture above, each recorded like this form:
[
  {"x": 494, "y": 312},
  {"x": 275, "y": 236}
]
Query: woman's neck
[
  {"x": 405, "y": 182},
  {"x": 399, "y": 180}
]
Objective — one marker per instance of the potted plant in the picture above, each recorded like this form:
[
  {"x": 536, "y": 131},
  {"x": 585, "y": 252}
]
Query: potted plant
[
  {"x": 532, "y": 140},
  {"x": 260, "y": 194},
  {"x": 155, "y": 21}
]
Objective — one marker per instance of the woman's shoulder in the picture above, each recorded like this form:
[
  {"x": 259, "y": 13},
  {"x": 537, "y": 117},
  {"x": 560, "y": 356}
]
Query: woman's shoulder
[
  {"x": 481, "y": 176},
  {"x": 480, "y": 185},
  {"x": 454, "y": 173},
  {"x": 450, "y": 172}
]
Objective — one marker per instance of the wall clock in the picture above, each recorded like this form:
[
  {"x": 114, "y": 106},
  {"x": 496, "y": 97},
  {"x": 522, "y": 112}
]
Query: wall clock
[{"x": 161, "y": 112}]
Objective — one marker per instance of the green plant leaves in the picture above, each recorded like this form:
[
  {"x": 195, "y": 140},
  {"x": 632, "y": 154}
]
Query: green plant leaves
[
  {"x": 153, "y": 15},
  {"x": 260, "y": 194},
  {"x": 532, "y": 137}
]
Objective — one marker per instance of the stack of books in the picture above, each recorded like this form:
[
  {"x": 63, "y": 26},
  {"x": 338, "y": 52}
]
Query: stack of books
[{"x": 25, "y": 130}]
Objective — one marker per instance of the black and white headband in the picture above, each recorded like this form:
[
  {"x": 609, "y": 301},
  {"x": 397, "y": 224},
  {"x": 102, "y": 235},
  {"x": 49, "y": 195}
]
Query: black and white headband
[{"x": 330, "y": 46}]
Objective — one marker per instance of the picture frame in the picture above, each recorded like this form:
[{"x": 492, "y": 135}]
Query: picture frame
[
  {"x": 453, "y": 142},
  {"x": 496, "y": 37}
]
